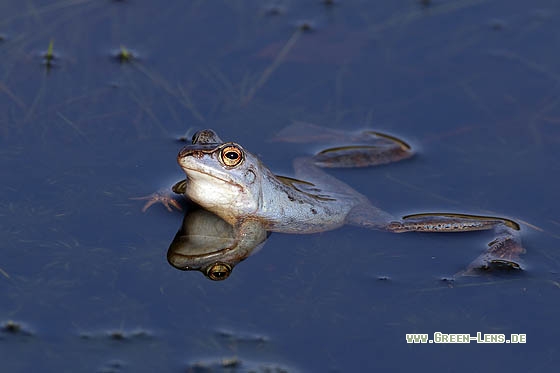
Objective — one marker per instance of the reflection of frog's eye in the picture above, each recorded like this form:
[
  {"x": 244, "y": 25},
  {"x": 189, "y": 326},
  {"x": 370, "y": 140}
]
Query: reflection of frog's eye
[
  {"x": 218, "y": 271},
  {"x": 231, "y": 156}
]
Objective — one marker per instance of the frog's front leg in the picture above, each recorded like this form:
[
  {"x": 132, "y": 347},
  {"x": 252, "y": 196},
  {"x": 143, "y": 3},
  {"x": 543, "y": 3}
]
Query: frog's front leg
[
  {"x": 164, "y": 197},
  {"x": 503, "y": 252}
]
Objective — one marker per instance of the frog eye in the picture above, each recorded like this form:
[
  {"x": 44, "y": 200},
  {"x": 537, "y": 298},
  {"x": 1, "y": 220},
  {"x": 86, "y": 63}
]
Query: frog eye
[
  {"x": 231, "y": 156},
  {"x": 218, "y": 271}
]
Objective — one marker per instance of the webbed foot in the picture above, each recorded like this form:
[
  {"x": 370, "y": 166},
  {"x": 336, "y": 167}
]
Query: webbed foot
[{"x": 503, "y": 255}]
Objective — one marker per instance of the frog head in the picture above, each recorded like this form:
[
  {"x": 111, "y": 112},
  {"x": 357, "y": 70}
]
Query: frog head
[{"x": 222, "y": 177}]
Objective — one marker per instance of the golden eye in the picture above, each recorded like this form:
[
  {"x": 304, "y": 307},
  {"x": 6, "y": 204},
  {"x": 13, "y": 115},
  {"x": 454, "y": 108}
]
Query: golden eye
[
  {"x": 231, "y": 156},
  {"x": 218, "y": 271}
]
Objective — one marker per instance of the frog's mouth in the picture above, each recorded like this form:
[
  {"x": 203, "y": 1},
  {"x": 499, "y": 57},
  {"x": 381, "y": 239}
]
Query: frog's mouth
[
  {"x": 212, "y": 177},
  {"x": 206, "y": 174}
]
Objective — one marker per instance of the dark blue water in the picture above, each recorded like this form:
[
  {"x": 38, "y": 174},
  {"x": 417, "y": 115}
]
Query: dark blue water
[{"x": 474, "y": 86}]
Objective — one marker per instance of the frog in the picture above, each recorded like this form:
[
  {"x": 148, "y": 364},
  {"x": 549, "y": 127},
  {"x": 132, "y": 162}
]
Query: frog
[{"x": 227, "y": 180}]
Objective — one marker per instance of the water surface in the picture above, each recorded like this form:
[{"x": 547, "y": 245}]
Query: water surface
[{"x": 472, "y": 85}]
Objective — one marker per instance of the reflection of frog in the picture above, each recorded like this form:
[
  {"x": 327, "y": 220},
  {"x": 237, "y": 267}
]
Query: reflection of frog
[
  {"x": 208, "y": 244},
  {"x": 227, "y": 180}
]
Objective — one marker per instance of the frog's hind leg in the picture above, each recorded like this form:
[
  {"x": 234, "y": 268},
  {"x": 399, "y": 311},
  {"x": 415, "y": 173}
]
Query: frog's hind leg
[
  {"x": 502, "y": 253},
  {"x": 347, "y": 148},
  {"x": 366, "y": 215},
  {"x": 378, "y": 148},
  {"x": 449, "y": 222}
]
